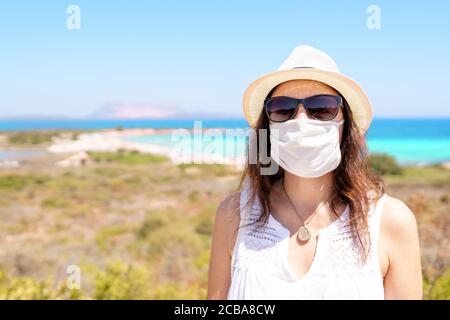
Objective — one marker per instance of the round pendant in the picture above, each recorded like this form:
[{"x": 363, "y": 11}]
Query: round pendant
[{"x": 303, "y": 234}]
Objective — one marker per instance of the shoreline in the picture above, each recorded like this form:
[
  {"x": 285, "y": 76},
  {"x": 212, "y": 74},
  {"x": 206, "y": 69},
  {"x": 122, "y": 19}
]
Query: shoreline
[{"x": 112, "y": 140}]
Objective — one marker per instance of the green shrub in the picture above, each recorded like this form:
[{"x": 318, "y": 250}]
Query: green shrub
[
  {"x": 426, "y": 176},
  {"x": 194, "y": 196},
  {"x": 106, "y": 235},
  {"x": 152, "y": 222},
  {"x": 34, "y": 137},
  {"x": 202, "y": 261},
  {"x": 205, "y": 221},
  {"x": 108, "y": 172},
  {"x": 219, "y": 170},
  {"x": 55, "y": 203},
  {"x": 178, "y": 291},
  {"x": 385, "y": 164},
  {"x": 204, "y": 226},
  {"x": 18, "y": 182},
  {"x": 178, "y": 238},
  {"x": 12, "y": 182},
  {"x": 445, "y": 198},
  {"x": 438, "y": 289},
  {"x": 22, "y": 288},
  {"x": 68, "y": 174},
  {"x": 26, "y": 288},
  {"x": 120, "y": 281},
  {"x": 127, "y": 157}
]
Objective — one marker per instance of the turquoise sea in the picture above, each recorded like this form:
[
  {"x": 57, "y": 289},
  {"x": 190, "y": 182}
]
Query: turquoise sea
[{"x": 410, "y": 141}]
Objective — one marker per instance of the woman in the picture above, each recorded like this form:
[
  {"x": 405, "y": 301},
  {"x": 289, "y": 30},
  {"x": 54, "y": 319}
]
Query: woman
[{"x": 315, "y": 222}]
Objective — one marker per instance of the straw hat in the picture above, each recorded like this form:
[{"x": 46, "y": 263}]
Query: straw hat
[{"x": 306, "y": 62}]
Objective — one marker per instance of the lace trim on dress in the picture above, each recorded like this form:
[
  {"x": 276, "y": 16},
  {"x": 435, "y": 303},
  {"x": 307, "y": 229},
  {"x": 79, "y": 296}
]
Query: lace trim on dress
[{"x": 264, "y": 249}]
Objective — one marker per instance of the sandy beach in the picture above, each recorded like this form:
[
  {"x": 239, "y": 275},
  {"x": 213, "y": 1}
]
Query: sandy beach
[{"x": 112, "y": 140}]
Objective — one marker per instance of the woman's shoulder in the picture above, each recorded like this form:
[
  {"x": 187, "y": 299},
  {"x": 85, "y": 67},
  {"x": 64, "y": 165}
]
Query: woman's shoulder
[
  {"x": 227, "y": 218},
  {"x": 398, "y": 222},
  {"x": 397, "y": 216},
  {"x": 229, "y": 206},
  {"x": 400, "y": 240}
]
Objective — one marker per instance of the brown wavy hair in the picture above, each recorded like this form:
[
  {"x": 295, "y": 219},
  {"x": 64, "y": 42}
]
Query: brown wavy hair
[{"x": 353, "y": 179}]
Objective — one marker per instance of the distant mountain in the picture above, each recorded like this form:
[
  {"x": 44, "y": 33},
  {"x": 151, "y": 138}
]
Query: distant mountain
[
  {"x": 128, "y": 111},
  {"x": 207, "y": 115},
  {"x": 36, "y": 117},
  {"x": 132, "y": 111}
]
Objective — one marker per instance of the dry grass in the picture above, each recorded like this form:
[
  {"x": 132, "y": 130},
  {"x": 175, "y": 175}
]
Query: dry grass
[{"x": 154, "y": 216}]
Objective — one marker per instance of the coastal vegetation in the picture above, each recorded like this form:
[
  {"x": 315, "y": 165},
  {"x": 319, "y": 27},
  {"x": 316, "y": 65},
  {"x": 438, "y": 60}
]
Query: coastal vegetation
[
  {"x": 139, "y": 227},
  {"x": 37, "y": 137}
]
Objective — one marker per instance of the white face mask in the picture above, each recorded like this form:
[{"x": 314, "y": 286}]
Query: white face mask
[{"x": 305, "y": 147}]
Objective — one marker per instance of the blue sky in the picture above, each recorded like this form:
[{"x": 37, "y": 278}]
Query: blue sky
[{"x": 201, "y": 55}]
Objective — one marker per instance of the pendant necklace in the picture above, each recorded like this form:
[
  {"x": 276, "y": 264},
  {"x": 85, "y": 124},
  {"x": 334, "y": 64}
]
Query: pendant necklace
[{"x": 303, "y": 234}]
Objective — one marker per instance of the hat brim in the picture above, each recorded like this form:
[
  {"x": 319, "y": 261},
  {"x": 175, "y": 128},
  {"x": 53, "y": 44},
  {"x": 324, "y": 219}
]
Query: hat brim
[{"x": 257, "y": 91}]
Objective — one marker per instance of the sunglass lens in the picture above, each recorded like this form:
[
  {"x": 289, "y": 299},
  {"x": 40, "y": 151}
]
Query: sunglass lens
[
  {"x": 323, "y": 107},
  {"x": 280, "y": 109}
]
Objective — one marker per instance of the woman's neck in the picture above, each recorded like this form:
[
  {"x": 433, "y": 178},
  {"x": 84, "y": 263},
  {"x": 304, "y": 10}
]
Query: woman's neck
[{"x": 308, "y": 193}]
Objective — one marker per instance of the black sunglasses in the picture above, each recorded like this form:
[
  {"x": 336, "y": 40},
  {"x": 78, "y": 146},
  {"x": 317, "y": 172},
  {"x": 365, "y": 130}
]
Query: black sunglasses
[{"x": 320, "y": 107}]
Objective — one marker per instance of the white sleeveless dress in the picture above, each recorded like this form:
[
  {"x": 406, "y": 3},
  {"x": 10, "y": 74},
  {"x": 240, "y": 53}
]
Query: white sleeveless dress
[{"x": 260, "y": 269}]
